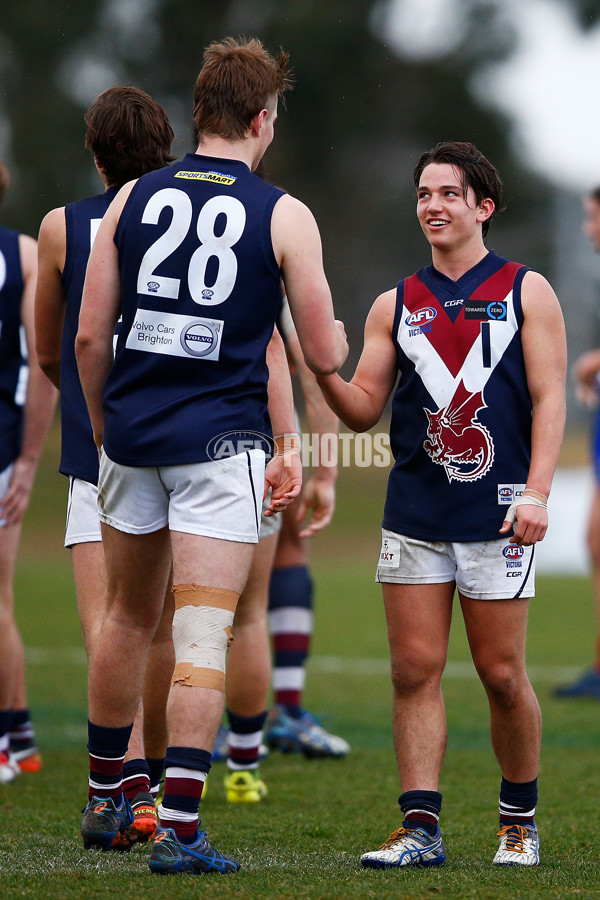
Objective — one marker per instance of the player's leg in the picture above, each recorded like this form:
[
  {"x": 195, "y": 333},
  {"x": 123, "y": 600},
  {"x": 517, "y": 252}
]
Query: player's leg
[
  {"x": 144, "y": 761},
  {"x": 496, "y": 631},
  {"x": 137, "y": 557},
  {"x": 9, "y": 645},
  {"x": 418, "y": 619},
  {"x": 248, "y": 679},
  {"x": 588, "y": 684},
  {"x": 290, "y": 614},
  {"x": 209, "y": 575},
  {"x": 89, "y": 572},
  {"x": 138, "y": 568},
  {"x": 157, "y": 685},
  {"x": 418, "y": 590},
  {"x": 84, "y": 538},
  {"x": 214, "y": 517},
  {"x": 289, "y": 726},
  {"x": 23, "y": 747}
]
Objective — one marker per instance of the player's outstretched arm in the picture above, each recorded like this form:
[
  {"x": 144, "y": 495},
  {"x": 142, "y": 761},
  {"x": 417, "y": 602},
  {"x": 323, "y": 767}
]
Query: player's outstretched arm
[
  {"x": 317, "y": 498},
  {"x": 50, "y": 305},
  {"x": 283, "y": 473},
  {"x": 100, "y": 308},
  {"x": 297, "y": 247},
  {"x": 360, "y": 402},
  {"x": 545, "y": 356}
]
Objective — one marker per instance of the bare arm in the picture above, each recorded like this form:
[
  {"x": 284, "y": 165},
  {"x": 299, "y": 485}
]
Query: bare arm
[
  {"x": 318, "y": 494},
  {"x": 40, "y": 401},
  {"x": 49, "y": 295},
  {"x": 360, "y": 402},
  {"x": 100, "y": 308},
  {"x": 284, "y": 471},
  {"x": 545, "y": 356},
  {"x": 297, "y": 246}
]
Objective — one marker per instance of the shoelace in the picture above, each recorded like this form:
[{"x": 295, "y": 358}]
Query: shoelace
[
  {"x": 394, "y": 836},
  {"x": 515, "y": 837}
]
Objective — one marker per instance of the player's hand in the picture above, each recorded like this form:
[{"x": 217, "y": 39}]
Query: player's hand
[
  {"x": 284, "y": 476},
  {"x": 586, "y": 371},
  {"x": 318, "y": 498},
  {"x": 529, "y": 521},
  {"x": 342, "y": 330},
  {"x": 16, "y": 499}
]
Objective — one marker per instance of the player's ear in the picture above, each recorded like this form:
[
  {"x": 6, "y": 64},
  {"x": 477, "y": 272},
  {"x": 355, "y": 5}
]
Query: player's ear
[
  {"x": 486, "y": 208},
  {"x": 258, "y": 121}
]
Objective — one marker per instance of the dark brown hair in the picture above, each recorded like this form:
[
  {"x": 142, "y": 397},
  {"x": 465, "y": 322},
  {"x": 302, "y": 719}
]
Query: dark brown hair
[
  {"x": 477, "y": 172},
  {"x": 237, "y": 80},
  {"x": 128, "y": 133}
]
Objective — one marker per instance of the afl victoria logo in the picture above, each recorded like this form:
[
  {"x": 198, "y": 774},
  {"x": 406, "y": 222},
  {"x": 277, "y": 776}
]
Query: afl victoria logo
[
  {"x": 513, "y": 551},
  {"x": 421, "y": 316},
  {"x": 199, "y": 338},
  {"x": 505, "y": 493}
]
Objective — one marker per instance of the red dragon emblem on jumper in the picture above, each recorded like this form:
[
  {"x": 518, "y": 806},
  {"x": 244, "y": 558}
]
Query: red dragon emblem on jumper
[{"x": 456, "y": 440}]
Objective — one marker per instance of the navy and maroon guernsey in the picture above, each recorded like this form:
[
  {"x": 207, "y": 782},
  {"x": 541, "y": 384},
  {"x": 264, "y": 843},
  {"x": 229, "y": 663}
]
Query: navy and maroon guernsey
[
  {"x": 79, "y": 456},
  {"x": 13, "y": 348},
  {"x": 200, "y": 295},
  {"x": 461, "y": 412}
]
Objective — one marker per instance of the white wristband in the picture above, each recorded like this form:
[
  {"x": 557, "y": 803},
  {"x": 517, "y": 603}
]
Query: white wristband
[{"x": 523, "y": 500}]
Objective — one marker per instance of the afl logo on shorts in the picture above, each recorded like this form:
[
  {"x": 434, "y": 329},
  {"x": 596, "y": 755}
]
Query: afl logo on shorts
[
  {"x": 421, "y": 317},
  {"x": 513, "y": 551},
  {"x": 231, "y": 444},
  {"x": 199, "y": 338}
]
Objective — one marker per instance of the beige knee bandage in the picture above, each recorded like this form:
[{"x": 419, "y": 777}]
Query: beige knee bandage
[{"x": 201, "y": 634}]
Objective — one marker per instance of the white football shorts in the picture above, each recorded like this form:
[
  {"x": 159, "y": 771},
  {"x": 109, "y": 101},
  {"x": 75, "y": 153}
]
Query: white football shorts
[
  {"x": 269, "y": 525},
  {"x": 5, "y": 477},
  {"x": 83, "y": 519},
  {"x": 482, "y": 570},
  {"x": 214, "y": 499}
]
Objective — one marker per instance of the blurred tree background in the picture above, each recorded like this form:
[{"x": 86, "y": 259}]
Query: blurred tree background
[{"x": 355, "y": 124}]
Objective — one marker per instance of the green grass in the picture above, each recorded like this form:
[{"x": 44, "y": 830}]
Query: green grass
[{"x": 304, "y": 841}]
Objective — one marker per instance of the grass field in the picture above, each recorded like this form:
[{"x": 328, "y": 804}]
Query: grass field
[{"x": 304, "y": 841}]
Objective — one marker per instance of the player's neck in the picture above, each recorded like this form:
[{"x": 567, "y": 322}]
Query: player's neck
[
  {"x": 454, "y": 263},
  {"x": 212, "y": 145}
]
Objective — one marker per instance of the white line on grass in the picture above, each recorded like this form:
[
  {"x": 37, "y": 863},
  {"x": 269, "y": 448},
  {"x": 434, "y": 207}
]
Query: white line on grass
[{"x": 331, "y": 665}]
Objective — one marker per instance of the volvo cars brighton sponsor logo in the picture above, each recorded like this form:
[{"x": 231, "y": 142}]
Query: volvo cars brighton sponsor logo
[{"x": 199, "y": 338}]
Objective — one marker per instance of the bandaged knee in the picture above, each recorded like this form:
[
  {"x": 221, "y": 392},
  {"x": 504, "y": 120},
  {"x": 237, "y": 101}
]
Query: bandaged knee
[{"x": 202, "y": 632}]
